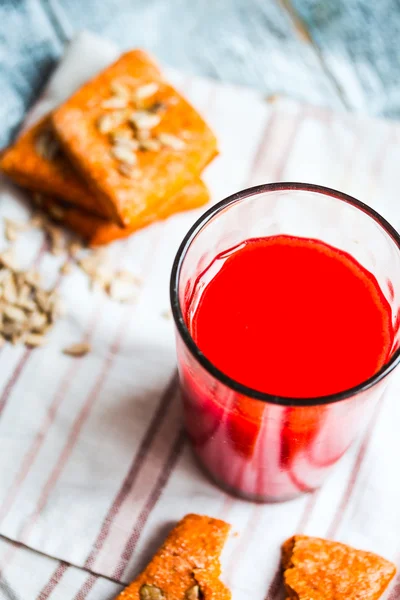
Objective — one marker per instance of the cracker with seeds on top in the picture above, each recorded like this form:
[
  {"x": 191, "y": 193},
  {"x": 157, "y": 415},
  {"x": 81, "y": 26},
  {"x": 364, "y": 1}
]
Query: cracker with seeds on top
[
  {"x": 133, "y": 137},
  {"x": 187, "y": 565}
]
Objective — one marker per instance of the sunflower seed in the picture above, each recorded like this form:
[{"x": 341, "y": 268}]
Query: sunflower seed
[
  {"x": 106, "y": 123},
  {"x": 146, "y": 91},
  {"x": 7, "y": 259},
  {"x": 122, "y": 290},
  {"x": 121, "y": 135},
  {"x": 124, "y": 155},
  {"x": 13, "y": 313},
  {"x": 32, "y": 277},
  {"x": 74, "y": 247},
  {"x": 193, "y": 593},
  {"x": 158, "y": 107},
  {"x": 34, "y": 339},
  {"x": 127, "y": 143},
  {"x": 37, "y": 322},
  {"x": 152, "y": 145},
  {"x": 143, "y": 135},
  {"x": 171, "y": 141},
  {"x": 10, "y": 292},
  {"x": 142, "y": 119},
  {"x": 129, "y": 171},
  {"x": 77, "y": 350},
  {"x": 114, "y": 103},
  {"x": 66, "y": 268},
  {"x": 56, "y": 237},
  {"x": 56, "y": 212},
  {"x": 119, "y": 89},
  {"x": 151, "y": 592},
  {"x": 46, "y": 145}
]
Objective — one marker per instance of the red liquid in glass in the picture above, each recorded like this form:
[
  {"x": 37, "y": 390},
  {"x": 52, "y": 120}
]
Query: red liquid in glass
[{"x": 290, "y": 317}]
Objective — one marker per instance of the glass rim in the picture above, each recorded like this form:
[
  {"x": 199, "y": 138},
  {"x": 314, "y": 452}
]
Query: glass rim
[{"x": 185, "y": 333}]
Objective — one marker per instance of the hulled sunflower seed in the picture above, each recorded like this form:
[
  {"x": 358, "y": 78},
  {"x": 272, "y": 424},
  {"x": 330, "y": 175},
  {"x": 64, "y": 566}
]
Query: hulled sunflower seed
[
  {"x": 115, "y": 102},
  {"x": 119, "y": 89},
  {"x": 66, "y": 268},
  {"x": 142, "y": 119},
  {"x": 158, "y": 107},
  {"x": 74, "y": 248},
  {"x": 56, "y": 212},
  {"x": 124, "y": 155},
  {"x": 34, "y": 339},
  {"x": 151, "y": 592},
  {"x": 129, "y": 171},
  {"x": 146, "y": 91},
  {"x": 37, "y": 321},
  {"x": 120, "y": 135},
  {"x": 46, "y": 145},
  {"x": 143, "y": 135},
  {"x": 122, "y": 290},
  {"x": 130, "y": 144},
  {"x": 193, "y": 593},
  {"x": 15, "y": 314},
  {"x": 171, "y": 141},
  {"x": 7, "y": 259},
  {"x": 152, "y": 145},
  {"x": 77, "y": 350},
  {"x": 106, "y": 123},
  {"x": 10, "y": 230}
]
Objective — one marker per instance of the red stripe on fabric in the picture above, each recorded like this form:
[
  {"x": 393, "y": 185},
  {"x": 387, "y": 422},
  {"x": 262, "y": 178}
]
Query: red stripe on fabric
[
  {"x": 395, "y": 593},
  {"x": 334, "y": 526},
  {"x": 261, "y": 147},
  {"x": 152, "y": 500},
  {"x": 76, "y": 429},
  {"x": 24, "y": 359},
  {"x": 80, "y": 420},
  {"x": 13, "y": 378},
  {"x": 86, "y": 588},
  {"x": 54, "y": 581},
  {"x": 33, "y": 451},
  {"x": 135, "y": 468}
]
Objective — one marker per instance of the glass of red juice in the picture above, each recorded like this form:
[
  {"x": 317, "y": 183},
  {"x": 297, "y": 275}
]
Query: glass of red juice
[{"x": 286, "y": 301}]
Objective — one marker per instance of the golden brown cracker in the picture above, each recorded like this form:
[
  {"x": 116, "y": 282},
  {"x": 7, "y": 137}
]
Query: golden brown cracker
[
  {"x": 318, "y": 569},
  {"x": 186, "y": 566},
  {"x": 35, "y": 161},
  {"x": 128, "y": 99}
]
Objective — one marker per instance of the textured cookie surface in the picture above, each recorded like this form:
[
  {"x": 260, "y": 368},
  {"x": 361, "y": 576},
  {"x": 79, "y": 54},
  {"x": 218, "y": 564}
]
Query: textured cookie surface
[
  {"x": 318, "y": 569},
  {"x": 187, "y": 565}
]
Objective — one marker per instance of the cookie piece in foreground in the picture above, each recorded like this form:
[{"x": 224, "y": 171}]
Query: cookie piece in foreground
[
  {"x": 186, "y": 566},
  {"x": 133, "y": 137},
  {"x": 36, "y": 162},
  {"x": 98, "y": 232},
  {"x": 318, "y": 569}
]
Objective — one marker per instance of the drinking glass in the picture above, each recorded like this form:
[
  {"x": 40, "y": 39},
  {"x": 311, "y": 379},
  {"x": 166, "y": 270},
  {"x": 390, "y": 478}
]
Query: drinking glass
[{"x": 259, "y": 446}]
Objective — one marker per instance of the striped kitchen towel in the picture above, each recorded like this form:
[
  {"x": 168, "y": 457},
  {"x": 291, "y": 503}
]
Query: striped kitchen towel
[{"x": 93, "y": 461}]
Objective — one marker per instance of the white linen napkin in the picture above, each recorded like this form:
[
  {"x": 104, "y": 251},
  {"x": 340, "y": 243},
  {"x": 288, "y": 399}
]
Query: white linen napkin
[{"x": 93, "y": 462}]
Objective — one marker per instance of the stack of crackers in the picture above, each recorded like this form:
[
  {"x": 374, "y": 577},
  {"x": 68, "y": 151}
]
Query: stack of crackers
[{"x": 125, "y": 150}]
